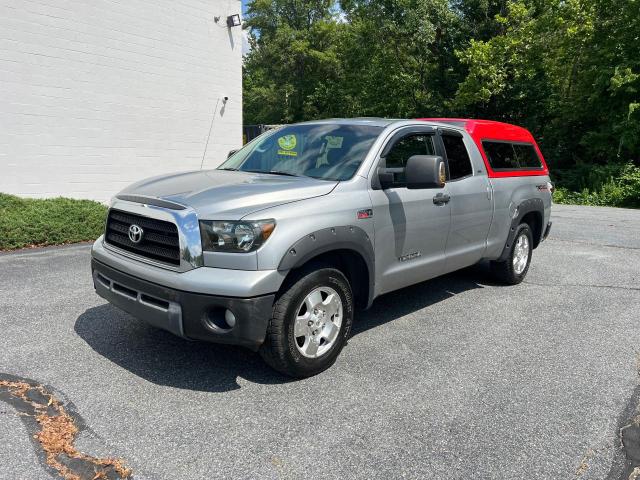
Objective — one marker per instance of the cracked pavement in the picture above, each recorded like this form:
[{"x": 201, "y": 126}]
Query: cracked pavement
[{"x": 452, "y": 377}]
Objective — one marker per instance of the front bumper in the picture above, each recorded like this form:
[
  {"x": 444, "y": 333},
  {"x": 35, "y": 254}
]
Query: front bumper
[
  {"x": 224, "y": 282},
  {"x": 189, "y": 315}
]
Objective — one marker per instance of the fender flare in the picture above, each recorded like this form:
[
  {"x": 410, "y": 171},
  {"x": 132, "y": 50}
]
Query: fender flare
[
  {"x": 526, "y": 206},
  {"x": 348, "y": 237}
]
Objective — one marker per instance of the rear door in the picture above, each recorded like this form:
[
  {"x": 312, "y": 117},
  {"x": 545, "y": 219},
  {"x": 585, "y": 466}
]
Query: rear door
[
  {"x": 411, "y": 230},
  {"x": 470, "y": 202}
]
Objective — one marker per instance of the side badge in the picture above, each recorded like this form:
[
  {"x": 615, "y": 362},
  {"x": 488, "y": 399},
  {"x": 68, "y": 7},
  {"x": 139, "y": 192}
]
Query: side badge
[
  {"x": 364, "y": 214},
  {"x": 410, "y": 256}
]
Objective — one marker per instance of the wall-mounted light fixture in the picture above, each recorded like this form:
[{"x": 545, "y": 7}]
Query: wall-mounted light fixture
[{"x": 233, "y": 21}]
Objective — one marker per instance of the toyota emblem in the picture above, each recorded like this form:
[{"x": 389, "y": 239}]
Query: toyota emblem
[{"x": 135, "y": 233}]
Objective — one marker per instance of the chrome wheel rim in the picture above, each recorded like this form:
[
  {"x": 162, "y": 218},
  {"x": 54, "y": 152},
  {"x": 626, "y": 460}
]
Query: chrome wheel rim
[
  {"x": 317, "y": 323},
  {"x": 521, "y": 254}
]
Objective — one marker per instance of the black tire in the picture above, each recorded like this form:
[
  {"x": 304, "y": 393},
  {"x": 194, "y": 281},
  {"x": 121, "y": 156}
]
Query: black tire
[
  {"x": 279, "y": 349},
  {"x": 504, "y": 271}
]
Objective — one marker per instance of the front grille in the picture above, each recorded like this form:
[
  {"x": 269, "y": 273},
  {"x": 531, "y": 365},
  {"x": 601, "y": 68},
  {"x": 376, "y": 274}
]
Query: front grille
[{"x": 159, "y": 238}]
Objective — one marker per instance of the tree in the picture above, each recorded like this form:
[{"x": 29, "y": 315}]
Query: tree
[
  {"x": 294, "y": 51},
  {"x": 566, "y": 70},
  {"x": 399, "y": 56},
  {"x": 569, "y": 70}
]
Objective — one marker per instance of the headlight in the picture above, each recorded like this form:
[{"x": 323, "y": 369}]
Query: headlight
[{"x": 224, "y": 236}]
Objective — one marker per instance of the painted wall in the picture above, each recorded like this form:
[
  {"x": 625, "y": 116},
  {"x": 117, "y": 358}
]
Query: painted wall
[{"x": 97, "y": 94}]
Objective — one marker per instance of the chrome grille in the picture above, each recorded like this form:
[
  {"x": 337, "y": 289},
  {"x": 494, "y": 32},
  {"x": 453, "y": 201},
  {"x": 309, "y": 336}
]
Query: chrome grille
[{"x": 159, "y": 242}]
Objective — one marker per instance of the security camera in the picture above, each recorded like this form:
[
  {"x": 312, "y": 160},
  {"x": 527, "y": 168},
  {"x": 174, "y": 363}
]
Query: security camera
[{"x": 225, "y": 98}]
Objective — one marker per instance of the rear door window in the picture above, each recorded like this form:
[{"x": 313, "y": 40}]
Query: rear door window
[
  {"x": 511, "y": 156},
  {"x": 457, "y": 157}
]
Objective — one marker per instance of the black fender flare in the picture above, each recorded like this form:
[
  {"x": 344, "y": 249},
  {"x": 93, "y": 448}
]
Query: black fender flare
[
  {"x": 348, "y": 237},
  {"x": 526, "y": 206}
]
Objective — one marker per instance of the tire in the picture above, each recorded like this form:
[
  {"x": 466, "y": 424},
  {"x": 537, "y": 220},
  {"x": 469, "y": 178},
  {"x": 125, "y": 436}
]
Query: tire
[
  {"x": 512, "y": 271},
  {"x": 291, "y": 354}
]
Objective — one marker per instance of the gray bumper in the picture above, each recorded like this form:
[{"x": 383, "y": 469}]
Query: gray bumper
[
  {"x": 206, "y": 280},
  {"x": 159, "y": 312},
  {"x": 189, "y": 304},
  {"x": 186, "y": 314}
]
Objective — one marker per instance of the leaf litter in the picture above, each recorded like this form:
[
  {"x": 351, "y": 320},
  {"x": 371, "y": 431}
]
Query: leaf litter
[{"x": 58, "y": 432}]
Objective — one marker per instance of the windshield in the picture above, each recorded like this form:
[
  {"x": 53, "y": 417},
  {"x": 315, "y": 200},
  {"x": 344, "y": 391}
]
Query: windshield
[{"x": 327, "y": 152}]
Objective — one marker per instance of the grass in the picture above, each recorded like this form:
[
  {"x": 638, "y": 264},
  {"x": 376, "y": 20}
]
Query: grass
[{"x": 28, "y": 222}]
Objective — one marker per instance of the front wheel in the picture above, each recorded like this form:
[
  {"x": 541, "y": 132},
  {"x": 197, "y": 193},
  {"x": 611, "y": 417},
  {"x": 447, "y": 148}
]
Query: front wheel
[
  {"x": 310, "y": 323},
  {"x": 513, "y": 270}
]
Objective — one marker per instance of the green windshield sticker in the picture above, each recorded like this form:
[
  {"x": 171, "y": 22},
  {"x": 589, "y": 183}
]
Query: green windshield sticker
[
  {"x": 334, "y": 142},
  {"x": 288, "y": 153},
  {"x": 287, "y": 142}
]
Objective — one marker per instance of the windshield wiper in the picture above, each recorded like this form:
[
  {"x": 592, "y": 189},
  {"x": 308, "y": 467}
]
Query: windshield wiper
[
  {"x": 280, "y": 172},
  {"x": 273, "y": 172},
  {"x": 229, "y": 169}
]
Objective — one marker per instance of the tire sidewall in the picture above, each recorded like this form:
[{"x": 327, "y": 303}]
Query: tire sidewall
[
  {"x": 328, "y": 278},
  {"x": 523, "y": 228}
]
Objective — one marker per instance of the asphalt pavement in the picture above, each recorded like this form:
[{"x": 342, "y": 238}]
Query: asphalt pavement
[{"x": 458, "y": 377}]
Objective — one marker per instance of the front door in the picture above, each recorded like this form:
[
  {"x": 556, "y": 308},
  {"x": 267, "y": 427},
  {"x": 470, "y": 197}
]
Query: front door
[{"x": 410, "y": 229}]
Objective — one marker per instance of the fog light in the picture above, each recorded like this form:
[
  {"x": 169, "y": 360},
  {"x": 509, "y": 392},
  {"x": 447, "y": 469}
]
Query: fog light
[{"x": 230, "y": 318}]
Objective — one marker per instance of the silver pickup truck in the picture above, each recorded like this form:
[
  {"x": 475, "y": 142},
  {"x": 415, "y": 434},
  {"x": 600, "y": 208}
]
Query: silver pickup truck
[{"x": 276, "y": 248}]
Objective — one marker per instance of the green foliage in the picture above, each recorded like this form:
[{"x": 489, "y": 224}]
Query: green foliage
[
  {"x": 294, "y": 54},
  {"x": 569, "y": 70},
  {"x": 25, "y": 221},
  {"x": 565, "y": 69},
  {"x": 309, "y": 59},
  {"x": 399, "y": 58},
  {"x": 616, "y": 185}
]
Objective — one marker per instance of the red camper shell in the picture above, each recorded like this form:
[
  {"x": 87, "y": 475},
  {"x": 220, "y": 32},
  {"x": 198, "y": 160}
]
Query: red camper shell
[{"x": 492, "y": 138}]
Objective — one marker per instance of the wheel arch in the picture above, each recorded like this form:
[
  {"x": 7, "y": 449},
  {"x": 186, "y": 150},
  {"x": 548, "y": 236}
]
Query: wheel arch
[
  {"x": 534, "y": 219},
  {"x": 347, "y": 248},
  {"x": 531, "y": 212}
]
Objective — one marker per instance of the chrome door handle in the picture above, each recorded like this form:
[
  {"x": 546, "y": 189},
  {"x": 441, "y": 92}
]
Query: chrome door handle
[{"x": 441, "y": 199}]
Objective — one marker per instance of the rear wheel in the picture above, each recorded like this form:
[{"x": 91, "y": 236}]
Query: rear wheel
[
  {"x": 310, "y": 323},
  {"x": 513, "y": 270}
]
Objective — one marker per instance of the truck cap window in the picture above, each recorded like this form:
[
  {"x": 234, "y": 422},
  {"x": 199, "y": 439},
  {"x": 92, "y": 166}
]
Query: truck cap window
[
  {"x": 327, "y": 152},
  {"x": 457, "y": 157},
  {"x": 511, "y": 156}
]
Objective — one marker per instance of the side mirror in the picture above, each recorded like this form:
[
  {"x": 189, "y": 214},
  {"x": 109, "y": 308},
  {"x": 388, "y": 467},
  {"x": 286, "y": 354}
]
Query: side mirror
[
  {"x": 385, "y": 178},
  {"x": 231, "y": 152},
  {"x": 425, "y": 171}
]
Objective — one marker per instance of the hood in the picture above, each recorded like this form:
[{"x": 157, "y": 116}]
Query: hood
[{"x": 229, "y": 195}]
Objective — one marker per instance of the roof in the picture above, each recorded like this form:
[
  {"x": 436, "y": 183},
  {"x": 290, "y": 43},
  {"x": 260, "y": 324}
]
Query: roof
[
  {"x": 491, "y": 130},
  {"x": 479, "y": 130},
  {"x": 487, "y": 129},
  {"x": 370, "y": 121},
  {"x": 476, "y": 128}
]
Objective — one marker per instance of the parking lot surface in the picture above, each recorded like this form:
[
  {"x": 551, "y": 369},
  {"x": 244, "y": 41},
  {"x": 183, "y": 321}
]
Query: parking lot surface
[{"x": 458, "y": 377}]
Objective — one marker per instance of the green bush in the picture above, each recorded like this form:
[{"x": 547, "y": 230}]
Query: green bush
[
  {"x": 53, "y": 221},
  {"x": 614, "y": 185}
]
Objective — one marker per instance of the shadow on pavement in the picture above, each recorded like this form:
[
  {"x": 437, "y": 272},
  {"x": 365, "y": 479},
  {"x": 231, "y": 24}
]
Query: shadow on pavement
[
  {"x": 164, "y": 359},
  {"x": 416, "y": 297}
]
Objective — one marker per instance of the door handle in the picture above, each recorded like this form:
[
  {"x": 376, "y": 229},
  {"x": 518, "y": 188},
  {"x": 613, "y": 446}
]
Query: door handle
[{"x": 441, "y": 199}]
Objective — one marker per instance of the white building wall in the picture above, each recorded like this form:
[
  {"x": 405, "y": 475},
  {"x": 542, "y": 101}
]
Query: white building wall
[{"x": 96, "y": 94}]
